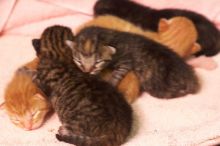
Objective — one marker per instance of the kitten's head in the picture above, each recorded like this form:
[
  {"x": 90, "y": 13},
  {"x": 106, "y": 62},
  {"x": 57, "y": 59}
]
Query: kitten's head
[
  {"x": 52, "y": 43},
  {"x": 89, "y": 55},
  {"x": 25, "y": 104}
]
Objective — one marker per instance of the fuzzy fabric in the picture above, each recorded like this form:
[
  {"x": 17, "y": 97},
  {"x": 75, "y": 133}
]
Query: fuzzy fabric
[{"x": 190, "y": 120}]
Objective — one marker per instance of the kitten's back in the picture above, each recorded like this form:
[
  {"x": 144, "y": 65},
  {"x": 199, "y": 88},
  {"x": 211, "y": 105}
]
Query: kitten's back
[{"x": 112, "y": 22}]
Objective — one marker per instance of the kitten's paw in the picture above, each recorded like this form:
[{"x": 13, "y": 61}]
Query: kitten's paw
[
  {"x": 63, "y": 133},
  {"x": 59, "y": 137}
]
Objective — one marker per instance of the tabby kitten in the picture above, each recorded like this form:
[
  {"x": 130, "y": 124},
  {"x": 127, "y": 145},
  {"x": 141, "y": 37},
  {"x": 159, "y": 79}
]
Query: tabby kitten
[
  {"x": 178, "y": 33},
  {"x": 160, "y": 71},
  {"x": 79, "y": 98},
  {"x": 25, "y": 103},
  {"x": 148, "y": 18}
]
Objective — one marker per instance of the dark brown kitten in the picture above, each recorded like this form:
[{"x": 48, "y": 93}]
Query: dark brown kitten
[
  {"x": 92, "y": 112},
  {"x": 161, "y": 72},
  {"x": 148, "y": 18}
]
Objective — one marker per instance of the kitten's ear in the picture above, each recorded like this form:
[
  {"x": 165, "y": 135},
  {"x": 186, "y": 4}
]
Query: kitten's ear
[
  {"x": 195, "y": 48},
  {"x": 70, "y": 44},
  {"x": 36, "y": 45},
  {"x": 39, "y": 96},
  {"x": 163, "y": 25},
  {"x": 2, "y": 106},
  {"x": 110, "y": 49}
]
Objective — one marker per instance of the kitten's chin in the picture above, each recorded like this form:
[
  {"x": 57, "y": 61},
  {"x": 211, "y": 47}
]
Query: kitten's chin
[
  {"x": 33, "y": 126},
  {"x": 95, "y": 72},
  {"x": 39, "y": 123},
  {"x": 30, "y": 125}
]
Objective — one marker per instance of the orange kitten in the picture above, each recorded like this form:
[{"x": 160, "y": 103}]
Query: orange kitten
[
  {"x": 24, "y": 103},
  {"x": 112, "y": 22},
  {"x": 178, "y": 33}
]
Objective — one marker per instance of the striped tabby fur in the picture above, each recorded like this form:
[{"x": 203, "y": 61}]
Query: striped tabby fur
[
  {"x": 92, "y": 112},
  {"x": 161, "y": 72}
]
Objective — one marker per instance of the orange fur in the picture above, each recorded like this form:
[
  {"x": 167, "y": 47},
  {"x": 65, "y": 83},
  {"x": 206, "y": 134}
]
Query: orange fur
[
  {"x": 129, "y": 86},
  {"x": 179, "y": 34},
  {"x": 24, "y": 101},
  {"x": 33, "y": 64},
  {"x": 112, "y": 22}
]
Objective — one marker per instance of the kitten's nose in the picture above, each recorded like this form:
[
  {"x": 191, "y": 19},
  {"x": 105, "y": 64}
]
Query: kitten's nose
[
  {"x": 87, "y": 69},
  {"x": 27, "y": 125}
]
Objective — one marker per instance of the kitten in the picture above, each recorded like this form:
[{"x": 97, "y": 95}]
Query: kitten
[
  {"x": 178, "y": 33},
  {"x": 25, "y": 103},
  {"x": 148, "y": 18},
  {"x": 160, "y": 71},
  {"x": 92, "y": 112}
]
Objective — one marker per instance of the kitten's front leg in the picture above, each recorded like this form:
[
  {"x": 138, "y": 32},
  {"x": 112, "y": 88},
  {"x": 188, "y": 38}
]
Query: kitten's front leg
[{"x": 121, "y": 68}]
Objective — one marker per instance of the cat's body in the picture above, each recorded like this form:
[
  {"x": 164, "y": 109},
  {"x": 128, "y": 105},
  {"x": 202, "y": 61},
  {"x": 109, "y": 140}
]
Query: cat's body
[
  {"x": 25, "y": 103},
  {"x": 148, "y": 18},
  {"x": 160, "y": 71},
  {"x": 91, "y": 111},
  {"x": 178, "y": 33}
]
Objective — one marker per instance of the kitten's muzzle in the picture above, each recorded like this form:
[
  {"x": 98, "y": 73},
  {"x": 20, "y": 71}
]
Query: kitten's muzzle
[{"x": 87, "y": 69}]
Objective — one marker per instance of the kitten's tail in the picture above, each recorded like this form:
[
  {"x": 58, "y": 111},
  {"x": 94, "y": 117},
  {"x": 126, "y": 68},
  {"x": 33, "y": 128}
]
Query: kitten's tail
[{"x": 79, "y": 140}]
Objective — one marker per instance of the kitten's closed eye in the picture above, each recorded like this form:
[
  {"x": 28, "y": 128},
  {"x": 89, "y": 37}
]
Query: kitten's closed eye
[
  {"x": 29, "y": 121},
  {"x": 77, "y": 61},
  {"x": 35, "y": 114},
  {"x": 99, "y": 64},
  {"x": 15, "y": 120}
]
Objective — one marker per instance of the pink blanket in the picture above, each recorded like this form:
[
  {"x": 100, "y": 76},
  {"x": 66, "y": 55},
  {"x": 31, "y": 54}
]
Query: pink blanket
[{"x": 191, "y": 120}]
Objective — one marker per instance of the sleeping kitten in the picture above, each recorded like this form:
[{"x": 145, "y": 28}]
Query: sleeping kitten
[
  {"x": 177, "y": 33},
  {"x": 148, "y": 18},
  {"x": 25, "y": 103},
  {"x": 92, "y": 112},
  {"x": 160, "y": 71}
]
